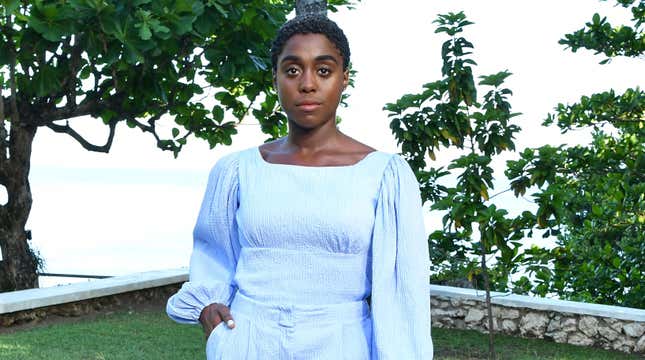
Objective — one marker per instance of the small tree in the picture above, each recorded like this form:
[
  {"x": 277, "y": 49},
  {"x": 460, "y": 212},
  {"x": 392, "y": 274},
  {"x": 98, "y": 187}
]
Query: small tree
[
  {"x": 449, "y": 114},
  {"x": 130, "y": 62},
  {"x": 592, "y": 197}
]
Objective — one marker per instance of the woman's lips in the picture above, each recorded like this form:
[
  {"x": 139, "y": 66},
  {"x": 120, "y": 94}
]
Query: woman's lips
[{"x": 308, "y": 106}]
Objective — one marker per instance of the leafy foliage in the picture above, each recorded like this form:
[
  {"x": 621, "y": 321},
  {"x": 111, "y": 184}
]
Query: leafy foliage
[
  {"x": 136, "y": 61},
  {"x": 448, "y": 113},
  {"x": 592, "y": 197},
  {"x": 599, "y": 35},
  {"x": 132, "y": 62}
]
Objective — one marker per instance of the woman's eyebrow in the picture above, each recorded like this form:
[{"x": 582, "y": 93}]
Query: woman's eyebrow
[
  {"x": 294, "y": 58},
  {"x": 326, "y": 58},
  {"x": 290, "y": 58}
]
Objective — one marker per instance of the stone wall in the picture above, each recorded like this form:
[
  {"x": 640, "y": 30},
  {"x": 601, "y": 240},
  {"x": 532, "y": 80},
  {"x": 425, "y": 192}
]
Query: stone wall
[
  {"x": 148, "y": 289},
  {"x": 610, "y": 327},
  {"x": 155, "y": 297},
  {"x": 562, "y": 327}
]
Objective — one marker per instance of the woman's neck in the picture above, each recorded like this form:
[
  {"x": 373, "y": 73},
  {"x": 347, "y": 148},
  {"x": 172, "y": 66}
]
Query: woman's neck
[{"x": 310, "y": 141}]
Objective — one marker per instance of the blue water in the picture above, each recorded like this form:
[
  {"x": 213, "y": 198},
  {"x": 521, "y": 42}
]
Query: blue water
[{"x": 113, "y": 221}]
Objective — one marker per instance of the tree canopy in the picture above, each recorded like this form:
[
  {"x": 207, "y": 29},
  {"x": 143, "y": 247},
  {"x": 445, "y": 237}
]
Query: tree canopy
[
  {"x": 133, "y": 62},
  {"x": 590, "y": 198}
]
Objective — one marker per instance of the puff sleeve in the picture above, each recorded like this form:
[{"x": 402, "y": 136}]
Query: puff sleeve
[
  {"x": 215, "y": 247},
  {"x": 400, "y": 297}
]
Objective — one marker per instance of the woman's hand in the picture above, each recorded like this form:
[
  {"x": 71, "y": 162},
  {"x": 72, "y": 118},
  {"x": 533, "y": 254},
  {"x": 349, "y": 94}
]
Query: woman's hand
[{"x": 212, "y": 315}]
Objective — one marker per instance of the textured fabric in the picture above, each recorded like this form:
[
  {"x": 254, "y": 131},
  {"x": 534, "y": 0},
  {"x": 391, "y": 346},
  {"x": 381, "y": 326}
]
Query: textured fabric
[
  {"x": 293, "y": 332},
  {"x": 288, "y": 235}
]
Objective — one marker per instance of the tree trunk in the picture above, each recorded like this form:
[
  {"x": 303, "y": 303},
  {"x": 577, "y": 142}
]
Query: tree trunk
[
  {"x": 313, "y": 7},
  {"x": 19, "y": 265},
  {"x": 489, "y": 307}
]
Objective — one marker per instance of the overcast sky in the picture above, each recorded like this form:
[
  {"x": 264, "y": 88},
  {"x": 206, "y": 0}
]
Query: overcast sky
[{"x": 134, "y": 209}]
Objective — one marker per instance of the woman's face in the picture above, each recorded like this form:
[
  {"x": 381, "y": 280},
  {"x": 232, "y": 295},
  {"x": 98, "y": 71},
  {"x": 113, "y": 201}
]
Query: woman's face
[{"x": 310, "y": 80}]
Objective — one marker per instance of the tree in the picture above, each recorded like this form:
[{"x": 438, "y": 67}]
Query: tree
[
  {"x": 130, "y": 62},
  {"x": 592, "y": 197},
  {"x": 449, "y": 114},
  {"x": 318, "y": 7}
]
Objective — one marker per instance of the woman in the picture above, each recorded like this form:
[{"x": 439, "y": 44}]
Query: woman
[{"x": 293, "y": 236}]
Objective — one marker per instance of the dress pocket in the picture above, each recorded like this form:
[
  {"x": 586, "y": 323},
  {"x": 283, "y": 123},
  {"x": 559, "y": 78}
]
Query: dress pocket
[
  {"x": 213, "y": 344},
  {"x": 357, "y": 340},
  {"x": 225, "y": 343}
]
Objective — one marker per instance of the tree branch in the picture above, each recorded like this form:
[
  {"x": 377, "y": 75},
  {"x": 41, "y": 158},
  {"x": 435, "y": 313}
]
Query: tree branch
[
  {"x": 3, "y": 134},
  {"x": 68, "y": 85},
  {"x": 3, "y": 212},
  {"x": 151, "y": 128},
  {"x": 114, "y": 77},
  {"x": 4, "y": 179},
  {"x": 91, "y": 105},
  {"x": 145, "y": 128},
  {"x": 311, "y": 7},
  {"x": 4, "y": 29},
  {"x": 97, "y": 78},
  {"x": 15, "y": 117},
  {"x": 66, "y": 129},
  {"x": 500, "y": 193}
]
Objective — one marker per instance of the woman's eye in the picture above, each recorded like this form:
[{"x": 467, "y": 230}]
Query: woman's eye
[
  {"x": 292, "y": 71},
  {"x": 324, "y": 71}
]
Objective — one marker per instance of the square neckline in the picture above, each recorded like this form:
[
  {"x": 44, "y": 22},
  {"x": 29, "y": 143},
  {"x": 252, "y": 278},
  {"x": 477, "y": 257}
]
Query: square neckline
[{"x": 356, "y": 164}]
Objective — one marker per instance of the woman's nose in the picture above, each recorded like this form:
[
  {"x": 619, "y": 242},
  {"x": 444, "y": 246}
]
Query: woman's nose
[{"x": 308, "y": 82}]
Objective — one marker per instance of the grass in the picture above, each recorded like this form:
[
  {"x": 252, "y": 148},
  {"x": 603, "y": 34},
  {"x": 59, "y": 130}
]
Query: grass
[
  {"x": 150, "y": 335},
  {"x": 469, "y": 344},
  {"x": 129, "y": 335}
]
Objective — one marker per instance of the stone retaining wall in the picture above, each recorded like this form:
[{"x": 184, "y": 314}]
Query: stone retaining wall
[
  {"x": 610, "y": 327},
  {"x": 560, "y": 326},
  {"x": 153, "y": 296},
  {"x": 121, "y": 292}
]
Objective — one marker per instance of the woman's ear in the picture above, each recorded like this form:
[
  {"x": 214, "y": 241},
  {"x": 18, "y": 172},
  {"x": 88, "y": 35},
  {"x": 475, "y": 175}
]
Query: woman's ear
[
  {"x": 275, "y": 81},
  {"x": 345, "y": 79}
]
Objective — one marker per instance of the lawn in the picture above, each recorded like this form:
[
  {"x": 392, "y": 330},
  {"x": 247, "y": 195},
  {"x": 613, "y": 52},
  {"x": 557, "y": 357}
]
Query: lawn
[{"x": 150, "y": 335}]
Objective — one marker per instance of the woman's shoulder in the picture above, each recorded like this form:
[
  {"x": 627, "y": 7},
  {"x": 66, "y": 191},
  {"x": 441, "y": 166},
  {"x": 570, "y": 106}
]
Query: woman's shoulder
[
  {"x": 358, "y": 150},
  {"x": 228, "y": 164},
  {"x": 232, "y": 159},
  {"x": 391, "y": 160}
]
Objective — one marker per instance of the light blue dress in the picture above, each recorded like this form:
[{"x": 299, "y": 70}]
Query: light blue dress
[{"x": 296, "y": 250}]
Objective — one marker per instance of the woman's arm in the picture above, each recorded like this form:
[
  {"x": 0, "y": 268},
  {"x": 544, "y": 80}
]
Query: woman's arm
[
  {"x": 400, "y": 269},
  {"x": 215, "y": 250}
]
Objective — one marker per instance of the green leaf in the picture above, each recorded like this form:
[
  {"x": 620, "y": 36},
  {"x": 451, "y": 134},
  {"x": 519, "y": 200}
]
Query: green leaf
[
  {"x": 144, "y": 32},
  {"x": 221, "y": 10},
  {"x": 85, "y": 72},
  {"x": 107, "y": 115},
  {"x": 218, "y": 113},
  {"x": 495, "y": 79},
  {"x": 175, "y": 132},
  {"x": 10, "y": 6}
]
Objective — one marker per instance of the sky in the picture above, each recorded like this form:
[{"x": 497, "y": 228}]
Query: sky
[{"x": 134, "y": 209}]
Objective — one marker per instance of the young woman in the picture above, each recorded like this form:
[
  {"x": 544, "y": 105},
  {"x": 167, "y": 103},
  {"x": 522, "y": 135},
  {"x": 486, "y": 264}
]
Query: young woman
[{"x": 295, "y": 235}]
